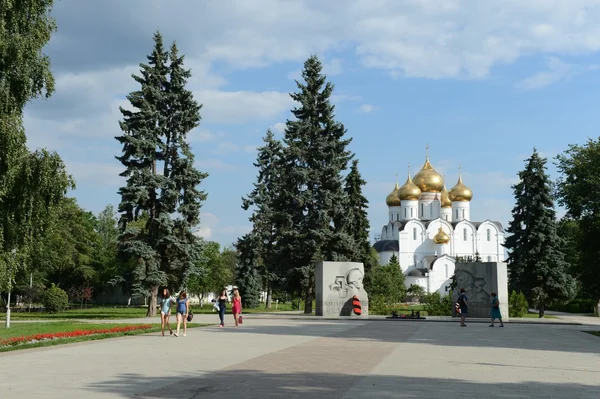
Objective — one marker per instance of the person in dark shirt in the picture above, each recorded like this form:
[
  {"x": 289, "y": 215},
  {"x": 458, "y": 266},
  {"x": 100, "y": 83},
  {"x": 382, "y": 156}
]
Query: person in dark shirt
[{"x": 464, "y": 307}]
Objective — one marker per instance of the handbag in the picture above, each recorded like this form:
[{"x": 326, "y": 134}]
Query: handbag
[
  {"x": 190, "y": 316},
  {"x": 240, "y": 319}
]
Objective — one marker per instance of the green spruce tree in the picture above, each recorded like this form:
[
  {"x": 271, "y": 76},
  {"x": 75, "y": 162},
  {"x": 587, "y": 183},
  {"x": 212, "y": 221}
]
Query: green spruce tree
[
  {"x": 314, "y": 157},
  {"x": 164, "y": 250},
  {"x": 266, "y": 214},
  {"x": 536, "y": 262},
  {"x": 248, "y": 277},
  {"x": 357, "y": 219}
]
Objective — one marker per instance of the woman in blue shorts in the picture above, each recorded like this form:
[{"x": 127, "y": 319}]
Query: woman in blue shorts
[
  {"x": 183, "y": 308},
  {"x": 165, "y": 311}
]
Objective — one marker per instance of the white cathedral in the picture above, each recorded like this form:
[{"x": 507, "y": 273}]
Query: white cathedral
[{"x": 430, "y": 228}]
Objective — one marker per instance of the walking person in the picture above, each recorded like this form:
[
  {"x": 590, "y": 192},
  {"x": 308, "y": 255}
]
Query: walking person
[
  {"x": 222, "y": 303},
  {"x": 165, "y": 311},
  {"x": 464, "y": 307},
  {"x": 495, "y": 312},
  {"x": 236, "y": 307},
  {"x": 183, "y": 309}
]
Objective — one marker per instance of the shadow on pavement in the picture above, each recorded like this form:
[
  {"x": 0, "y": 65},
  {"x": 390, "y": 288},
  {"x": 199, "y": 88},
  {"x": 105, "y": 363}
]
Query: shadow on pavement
[
  {"x": 249, "y": 384},
  {"x": 529, "y": 337}
]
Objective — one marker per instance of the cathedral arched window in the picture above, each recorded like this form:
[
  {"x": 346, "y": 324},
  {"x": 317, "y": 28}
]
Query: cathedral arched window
[
  {"x": 414, "y": 233},
  {"x": 422, "y": 210},
  {"x": 405, "y": 210},
  {"x": 464, "y": 234},
  {"x": 489, "y": 235}
]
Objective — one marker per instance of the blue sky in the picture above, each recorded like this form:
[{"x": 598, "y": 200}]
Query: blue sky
[{"x": 480, "y": 86}]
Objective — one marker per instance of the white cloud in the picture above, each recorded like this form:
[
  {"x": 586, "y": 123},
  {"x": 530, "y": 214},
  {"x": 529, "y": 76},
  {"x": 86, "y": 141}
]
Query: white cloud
[
  {"x": 216, "y": 164},
  {"x": 226, "y": 147},
  {"x": 450, "y": 39},
  {"x": 202, "y": 136},
  {"x": 333, "y": 67},
  {"x": 278, "y": 127},
  {"x": 208, "y": 221},
  {"x": 104, "y": 174},
  {"x": 239, "y": 107},
  {"x": 557, "y": 70},
  {"x": 366, "y": 108},
  {"x": 211, "y": 227}
]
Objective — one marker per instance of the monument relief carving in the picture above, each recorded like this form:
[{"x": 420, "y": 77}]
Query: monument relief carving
[
  {"x": 340, "y": 291},
  {"x": 479, "y": 280}
]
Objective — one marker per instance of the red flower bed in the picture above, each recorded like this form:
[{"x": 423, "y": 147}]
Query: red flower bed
[{"x": 71, "y": 334}]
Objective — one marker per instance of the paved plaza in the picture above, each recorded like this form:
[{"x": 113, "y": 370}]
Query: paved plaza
[{"x": 308, "y": 358}]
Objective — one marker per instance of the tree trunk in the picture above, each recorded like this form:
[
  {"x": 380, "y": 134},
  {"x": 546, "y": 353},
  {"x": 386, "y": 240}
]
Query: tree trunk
[
  {"x": 153, "y": 302},
  {"x": 308, "y": 300},
  {"x": 598, "y": 308},
  {"x": 269, "y": 295},
  {"x": 542, "y": 309}
]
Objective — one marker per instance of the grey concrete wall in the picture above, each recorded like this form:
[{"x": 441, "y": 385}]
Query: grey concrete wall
[
  {"x": 339, "y": 288},
  {"x": 479, "y": 279}
]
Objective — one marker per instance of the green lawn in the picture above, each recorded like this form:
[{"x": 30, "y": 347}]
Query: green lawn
[
  {"x": 51, "y": 327},
  {"x": 131, "y": 312}
]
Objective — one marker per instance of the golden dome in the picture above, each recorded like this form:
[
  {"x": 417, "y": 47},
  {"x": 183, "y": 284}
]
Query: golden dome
[
  {"x": 441, "y": 237},
  {"x": 460, "y": 192},
  {"x": 409, "y": 191},
  {"x": 393, "y": 199},
  {"x": 428, "y": 180},
  {"x": 445, "y": 200}
]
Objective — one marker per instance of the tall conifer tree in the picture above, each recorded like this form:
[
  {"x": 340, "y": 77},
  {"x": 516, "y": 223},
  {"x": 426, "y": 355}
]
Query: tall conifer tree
[
  {"x": 248, "y": 276},
  {"x": 357, "y": 221},
  {"x": 155, "y": 137},
  {"x": 266, "y": 213},
  {"x": 536, "y": 262},
  {"x": 315, "y": 156}
]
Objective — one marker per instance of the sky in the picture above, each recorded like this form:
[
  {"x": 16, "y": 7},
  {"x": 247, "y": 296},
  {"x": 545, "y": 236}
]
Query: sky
[{"x": 480, "y": 83}]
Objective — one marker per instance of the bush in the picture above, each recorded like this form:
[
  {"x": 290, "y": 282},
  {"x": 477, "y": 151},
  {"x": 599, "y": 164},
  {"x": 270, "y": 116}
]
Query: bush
[
  {"x": 436, "y": 305},
  {"x": 575, "y": 306},
  {"x": 55, "y": 299},
  {"x": 517, "y": 305}
]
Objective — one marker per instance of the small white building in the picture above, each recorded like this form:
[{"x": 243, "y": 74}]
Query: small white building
[{"x": 430, "y": 227}]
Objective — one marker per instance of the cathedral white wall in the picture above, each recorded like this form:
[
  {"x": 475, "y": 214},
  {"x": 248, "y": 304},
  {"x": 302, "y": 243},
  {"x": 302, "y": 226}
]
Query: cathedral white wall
[
  {"x": 461, "y": 210},
  {"x": 440, "y": 275},
  {"x": 446, "y": 214},
  {"x": 464, "y": 240},
  {"x": 429, "y": 206},
  {"x": 384, "y": 257},
  {"x": 489, "y": 243},
  {"x": 394, "y": 213},
  {"x": 409, "y": 209},
  {"x": 411, "y": 240}
]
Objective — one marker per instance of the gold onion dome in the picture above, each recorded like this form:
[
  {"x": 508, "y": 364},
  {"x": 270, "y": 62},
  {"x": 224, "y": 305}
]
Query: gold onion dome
[
  {"x": 393, "y": 199},
  {"x": 441, "y": 237},
  {"x": 409, "y": 191},
  {"x": 428, "y": 180},
  {"x": 445, "y": 199},
  {"x": 460, "y": 192}
]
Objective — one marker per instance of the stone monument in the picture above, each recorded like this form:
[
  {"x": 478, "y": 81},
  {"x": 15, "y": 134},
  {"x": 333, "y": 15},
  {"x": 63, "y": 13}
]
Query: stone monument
[
  {"x": 340, "y": 291},
  {"x": 480, "y": 279}
]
